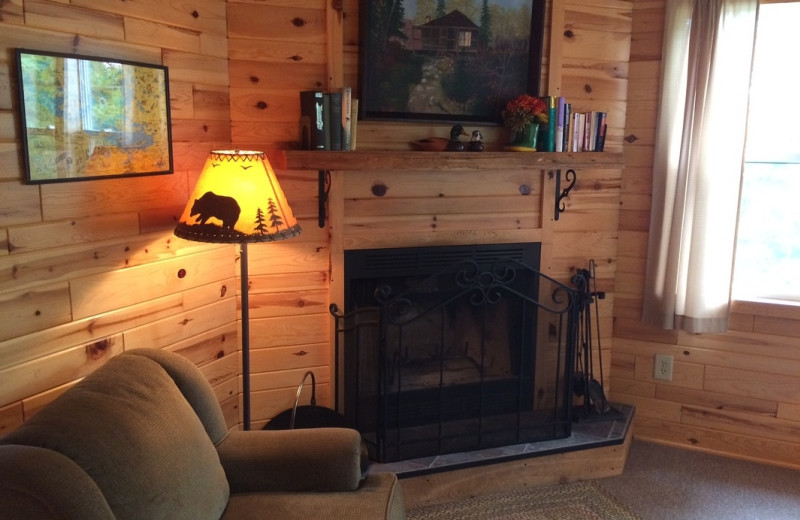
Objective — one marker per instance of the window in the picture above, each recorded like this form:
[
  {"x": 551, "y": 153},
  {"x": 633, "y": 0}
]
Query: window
[
  {"x": 768, "y": 242},
  {"x": 464, "y": 39}
]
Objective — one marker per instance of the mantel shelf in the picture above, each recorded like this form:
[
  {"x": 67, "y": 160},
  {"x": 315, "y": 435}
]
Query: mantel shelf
[{"x": 400, "y": 160}]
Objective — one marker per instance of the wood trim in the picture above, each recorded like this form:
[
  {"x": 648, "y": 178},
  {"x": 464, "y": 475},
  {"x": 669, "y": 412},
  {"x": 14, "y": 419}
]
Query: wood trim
[
  {"x": 557, "y": 22},
  {"x": 399, "y": 161},
  {"x": 546, "y": 470},
  {"x": 334, "y": 19}
]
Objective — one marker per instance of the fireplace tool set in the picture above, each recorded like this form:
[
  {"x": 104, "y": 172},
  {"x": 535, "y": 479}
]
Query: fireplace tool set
[{"x": 595, "y": 405}]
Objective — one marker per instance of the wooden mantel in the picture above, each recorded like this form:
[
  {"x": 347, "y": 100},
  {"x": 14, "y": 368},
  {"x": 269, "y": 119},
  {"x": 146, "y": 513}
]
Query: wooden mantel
[{"x": 399, "y": 161}]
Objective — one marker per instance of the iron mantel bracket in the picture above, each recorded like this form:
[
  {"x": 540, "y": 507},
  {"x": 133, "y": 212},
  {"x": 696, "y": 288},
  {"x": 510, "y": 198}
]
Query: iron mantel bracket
[
  {"x": 560, "y": 205},
  {"x": 324, "y": 187}
]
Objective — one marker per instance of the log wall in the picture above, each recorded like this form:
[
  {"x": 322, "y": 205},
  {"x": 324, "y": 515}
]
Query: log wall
[{"x": 736, "y": 394}]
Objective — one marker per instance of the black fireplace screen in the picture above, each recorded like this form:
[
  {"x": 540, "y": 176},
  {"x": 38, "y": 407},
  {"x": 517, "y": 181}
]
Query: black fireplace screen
[{"x": 449, "y": 349}]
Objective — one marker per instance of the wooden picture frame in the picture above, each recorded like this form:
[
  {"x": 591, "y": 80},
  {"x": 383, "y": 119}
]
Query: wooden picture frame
[
  {"x": 446, "y": 65},
  {"x": 88, "y": 118}
]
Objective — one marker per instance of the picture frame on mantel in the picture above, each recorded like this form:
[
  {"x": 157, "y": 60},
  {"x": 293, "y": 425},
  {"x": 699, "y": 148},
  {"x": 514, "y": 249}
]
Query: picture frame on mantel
[
  {"x": 86, "y": 118},
  {"x": 426, "y": 60}
]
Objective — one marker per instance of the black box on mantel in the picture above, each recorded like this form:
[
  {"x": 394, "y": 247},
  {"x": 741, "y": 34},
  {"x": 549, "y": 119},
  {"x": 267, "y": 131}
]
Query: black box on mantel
[{"x": 312, "y": 120}]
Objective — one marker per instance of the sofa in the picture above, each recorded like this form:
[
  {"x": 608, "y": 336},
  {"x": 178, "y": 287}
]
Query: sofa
[{"x": 143, "y": 437}]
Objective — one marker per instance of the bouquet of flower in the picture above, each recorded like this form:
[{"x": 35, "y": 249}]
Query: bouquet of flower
[{"x": 524, "y": 110}]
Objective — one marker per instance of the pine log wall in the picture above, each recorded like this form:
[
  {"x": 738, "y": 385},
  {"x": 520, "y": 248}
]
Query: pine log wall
[{"x": 736, "y": 394}]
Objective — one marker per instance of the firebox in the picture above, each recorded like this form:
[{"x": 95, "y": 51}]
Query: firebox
[{"x": 454, "y": 348}]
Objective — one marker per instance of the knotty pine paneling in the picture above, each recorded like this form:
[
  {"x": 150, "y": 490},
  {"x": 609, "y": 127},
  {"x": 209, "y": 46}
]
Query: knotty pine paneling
[
  {"x": 288, "y": 283},
  {"x": 34, "y": 309},
  {"x": 57, "y": 233},
  {"x": 734, "y": 394},
  {"x": 65, "y": 18},
  {"x": 289, "y": 280},
  {"x": 109, "y": 243}
]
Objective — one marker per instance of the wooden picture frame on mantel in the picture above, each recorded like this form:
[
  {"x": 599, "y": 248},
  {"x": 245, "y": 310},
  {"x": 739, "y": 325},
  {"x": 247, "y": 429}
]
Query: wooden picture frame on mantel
[{"x": 431, "y": 61}]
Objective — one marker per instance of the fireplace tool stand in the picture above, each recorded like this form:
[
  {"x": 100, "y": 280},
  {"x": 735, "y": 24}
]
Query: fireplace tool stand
[{"x": 595, "y": 405}]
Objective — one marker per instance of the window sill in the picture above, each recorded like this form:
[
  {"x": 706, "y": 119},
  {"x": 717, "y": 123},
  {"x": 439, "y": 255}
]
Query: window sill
[{"x": 766, "y": 307}]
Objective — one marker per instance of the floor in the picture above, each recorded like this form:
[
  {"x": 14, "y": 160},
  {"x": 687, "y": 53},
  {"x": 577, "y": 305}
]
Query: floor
[
  {"x": 669, "y": 482},
  {"x": 586, "y": 434}
]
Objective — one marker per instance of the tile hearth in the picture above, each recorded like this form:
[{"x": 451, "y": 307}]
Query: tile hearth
[{"x": 586, "y": 434}]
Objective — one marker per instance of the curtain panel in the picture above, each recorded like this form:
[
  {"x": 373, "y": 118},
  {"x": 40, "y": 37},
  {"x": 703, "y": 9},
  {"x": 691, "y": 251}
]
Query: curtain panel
[{"x": 699, "y": 149}]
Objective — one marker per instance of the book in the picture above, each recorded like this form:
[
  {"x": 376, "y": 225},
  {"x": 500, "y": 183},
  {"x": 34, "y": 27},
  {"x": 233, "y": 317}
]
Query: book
[
  {"x": 576, "y": 133},
  {"x": 347, "y": 98},
  {"x": 600, "y": 137},
  {"x": 552, "y": 123},
  {"x": 558, "y": 145},
  {"x": 312, "y": 122},
  {"x": 567, "y": 139},
  {"x": 335, "y": 125},
  {"x": 326, "y": 118},
  {"x": 591, "y": 130},
  {"x": 353, "y": 123},
  {"x": 587, "y": 128}
]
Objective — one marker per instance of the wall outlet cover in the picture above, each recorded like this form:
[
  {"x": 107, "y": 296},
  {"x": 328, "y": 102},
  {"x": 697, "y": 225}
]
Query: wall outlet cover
[{"x": 663, "y": 367}]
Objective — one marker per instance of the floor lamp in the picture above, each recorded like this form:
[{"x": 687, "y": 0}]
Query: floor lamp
[{"x": 238, "y": 200}]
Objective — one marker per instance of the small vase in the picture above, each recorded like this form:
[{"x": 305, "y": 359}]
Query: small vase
[{"x": 526, "y": 138}]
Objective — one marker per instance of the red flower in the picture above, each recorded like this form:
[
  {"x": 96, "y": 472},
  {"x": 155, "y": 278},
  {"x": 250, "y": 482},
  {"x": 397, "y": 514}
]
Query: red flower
[{"x": 522, "y": 111}]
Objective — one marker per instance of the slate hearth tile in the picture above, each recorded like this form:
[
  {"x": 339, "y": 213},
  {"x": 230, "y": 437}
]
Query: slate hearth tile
[{"x": 585, "y": 435}]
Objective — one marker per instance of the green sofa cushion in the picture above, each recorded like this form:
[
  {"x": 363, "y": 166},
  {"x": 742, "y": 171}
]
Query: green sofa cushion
[{"x": 131, "y": 430}]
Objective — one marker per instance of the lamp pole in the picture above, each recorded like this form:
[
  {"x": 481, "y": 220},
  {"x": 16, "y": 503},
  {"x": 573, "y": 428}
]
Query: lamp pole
[{"x": 245, "y": 337}]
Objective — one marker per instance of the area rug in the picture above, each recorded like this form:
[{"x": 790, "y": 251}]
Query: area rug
[{"x": 578, "y": 500}]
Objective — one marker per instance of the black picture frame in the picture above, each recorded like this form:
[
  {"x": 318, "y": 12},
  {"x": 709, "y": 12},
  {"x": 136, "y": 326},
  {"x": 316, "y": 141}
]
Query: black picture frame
[
  {"x": 447, "y": 68},
  {"x": 86, "y": 117}
]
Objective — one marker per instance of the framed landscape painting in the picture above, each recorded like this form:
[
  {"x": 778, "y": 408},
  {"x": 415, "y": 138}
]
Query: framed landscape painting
[{"x": 448, "y": 60}]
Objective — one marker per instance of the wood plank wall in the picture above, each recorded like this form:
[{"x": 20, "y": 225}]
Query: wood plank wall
[
  {"x": 89, "y": 269},
  {"x": 735, "y": 394},
  {"x": 277, "y": 49},
  {"x": 236, "y": 68},
  {"x": 74, "y": 289},
  {"x": 592, "y": 73}
]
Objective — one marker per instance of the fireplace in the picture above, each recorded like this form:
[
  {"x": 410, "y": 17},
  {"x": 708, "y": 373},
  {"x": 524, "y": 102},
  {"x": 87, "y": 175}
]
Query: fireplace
[{"x": 454, "y": 348}]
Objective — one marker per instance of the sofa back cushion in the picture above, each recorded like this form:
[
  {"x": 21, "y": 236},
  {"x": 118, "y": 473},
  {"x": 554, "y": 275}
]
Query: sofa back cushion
[{"x": 130, "y": 428}]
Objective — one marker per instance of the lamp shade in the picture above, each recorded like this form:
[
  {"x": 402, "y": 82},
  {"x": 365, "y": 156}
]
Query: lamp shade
[{"x": 237, "y": 199}]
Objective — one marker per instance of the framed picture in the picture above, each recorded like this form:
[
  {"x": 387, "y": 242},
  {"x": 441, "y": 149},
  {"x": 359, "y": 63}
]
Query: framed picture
[
  {"x": 92, "y": 118},
  {"x": 454, "y": 60}
]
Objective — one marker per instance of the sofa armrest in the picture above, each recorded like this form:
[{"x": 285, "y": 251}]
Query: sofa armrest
[
  {"x": 43, "y": 484},
  {"x": 317, "y": 459}
]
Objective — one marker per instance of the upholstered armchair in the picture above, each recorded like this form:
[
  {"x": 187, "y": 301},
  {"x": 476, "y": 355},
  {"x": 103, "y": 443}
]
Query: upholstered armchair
[{"x": 143, "y": 437}]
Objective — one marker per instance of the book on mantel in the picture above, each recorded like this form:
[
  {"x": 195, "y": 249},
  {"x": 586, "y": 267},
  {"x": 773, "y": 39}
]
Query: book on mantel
[{"x": 312, "y": 120}]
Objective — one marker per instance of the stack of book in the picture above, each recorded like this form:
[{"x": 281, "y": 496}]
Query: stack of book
[
  {"x": 328, "y": 119},
  {"x": 568, "y": 131}
]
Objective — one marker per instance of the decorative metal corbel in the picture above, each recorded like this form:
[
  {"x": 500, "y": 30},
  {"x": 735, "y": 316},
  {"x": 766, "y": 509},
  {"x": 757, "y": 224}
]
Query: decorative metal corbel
[
  {"x": 323, "y": 189},
  {"x": 571, "y": 177}
]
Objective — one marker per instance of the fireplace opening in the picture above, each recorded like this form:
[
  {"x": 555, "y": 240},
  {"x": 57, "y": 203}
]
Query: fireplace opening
[{"x": 454, "y": 348}]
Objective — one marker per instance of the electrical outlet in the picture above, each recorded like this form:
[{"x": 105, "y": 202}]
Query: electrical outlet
[{"x": 663, "y": 367}]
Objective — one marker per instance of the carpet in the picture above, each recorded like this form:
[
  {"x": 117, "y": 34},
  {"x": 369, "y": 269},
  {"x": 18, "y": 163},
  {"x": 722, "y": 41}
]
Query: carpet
[{"x": 577, "y": 500}]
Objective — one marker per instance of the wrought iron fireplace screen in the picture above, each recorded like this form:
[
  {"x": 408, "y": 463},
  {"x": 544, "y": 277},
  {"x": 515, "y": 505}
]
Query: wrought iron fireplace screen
[{"x": 450, "y": 349}]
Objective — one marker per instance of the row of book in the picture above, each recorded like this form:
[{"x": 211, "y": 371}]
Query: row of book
[
  {"x": 568, "y": 131},
  {"x": 328, "y": 119}
]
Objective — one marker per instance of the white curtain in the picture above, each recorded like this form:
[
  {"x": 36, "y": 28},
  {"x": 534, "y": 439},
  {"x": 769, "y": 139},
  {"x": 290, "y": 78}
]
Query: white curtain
[{"x": 707, "y": 55}]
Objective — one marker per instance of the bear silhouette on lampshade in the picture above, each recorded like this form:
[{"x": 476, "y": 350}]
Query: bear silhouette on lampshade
[{"x": 237, "y": 199}]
